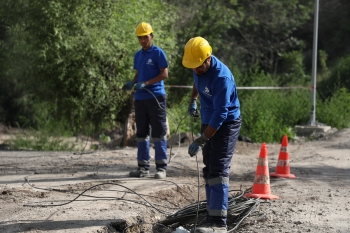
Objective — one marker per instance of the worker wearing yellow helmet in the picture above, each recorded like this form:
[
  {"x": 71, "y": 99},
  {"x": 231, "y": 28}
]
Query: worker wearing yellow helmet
[
  {"x": 151, "y": 68},
  {"x": 214, "y": 84}
]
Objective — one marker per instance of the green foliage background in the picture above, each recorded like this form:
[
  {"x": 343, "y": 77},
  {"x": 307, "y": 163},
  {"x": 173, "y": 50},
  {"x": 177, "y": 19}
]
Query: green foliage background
[
  {"x": 75, "y": 55},
  {"x": 63, "y": 63}
]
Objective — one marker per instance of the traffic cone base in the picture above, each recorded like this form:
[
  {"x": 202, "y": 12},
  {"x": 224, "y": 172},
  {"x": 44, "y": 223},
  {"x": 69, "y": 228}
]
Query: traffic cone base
[
  {"x": 274, "y": 174},
  {"x": 261, "y": 190},
  {"x": 283, "y": 164},
  {"x": 262, "y": 196}
]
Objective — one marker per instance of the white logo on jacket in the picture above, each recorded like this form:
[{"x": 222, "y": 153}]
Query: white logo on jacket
[
  {"x": 206, "y": 91},
  {"x": 149, "y": 62}
]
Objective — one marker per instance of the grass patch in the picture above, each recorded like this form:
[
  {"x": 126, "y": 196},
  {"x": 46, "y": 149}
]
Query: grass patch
[{"x": 41, "y": 141}]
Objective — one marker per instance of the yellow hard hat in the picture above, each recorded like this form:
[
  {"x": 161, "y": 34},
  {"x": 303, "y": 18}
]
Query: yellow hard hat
[
  {"x": 143, "y": 29},
  {"x": 197, "y": 49}
]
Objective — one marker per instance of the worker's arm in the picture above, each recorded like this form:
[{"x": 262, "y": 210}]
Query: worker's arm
[
  {"x": 134, "y": 80},
  {"x": 194, "y": 94},
  {"x": 209, "y": 132},
  {"x": 192, "y": 106}
]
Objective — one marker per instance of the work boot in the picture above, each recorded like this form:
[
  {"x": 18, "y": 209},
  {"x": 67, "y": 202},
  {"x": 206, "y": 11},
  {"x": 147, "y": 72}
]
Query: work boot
[
  {"x": 140, "y": 172},
  {"x": 160, "y": 174},
  {"x": 210, "y": 228}
]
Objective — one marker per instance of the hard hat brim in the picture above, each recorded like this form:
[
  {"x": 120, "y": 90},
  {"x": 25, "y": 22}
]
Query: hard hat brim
[
  {"x": 191, "y": 65},
  {"x": 143, "y": 34}
]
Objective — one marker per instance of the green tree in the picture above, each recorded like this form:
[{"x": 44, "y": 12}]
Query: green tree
[
  {"x": 266, "y": 30},
  {"x": 268, "y": 114},
  {"x": 209, "y": 19},
  {"x": 335, "y": 110},
  {"x": 337, "y": 79},
  {"x": 75, "y": 55},
  {"x": 242, "y": 33},
  {"x": 334, "y": 17}
]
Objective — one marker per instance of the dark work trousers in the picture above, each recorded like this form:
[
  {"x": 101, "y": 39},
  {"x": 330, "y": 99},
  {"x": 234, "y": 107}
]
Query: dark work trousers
[
  {"x": 150, "y": 116},
  {"x": 217, "y": 155}
]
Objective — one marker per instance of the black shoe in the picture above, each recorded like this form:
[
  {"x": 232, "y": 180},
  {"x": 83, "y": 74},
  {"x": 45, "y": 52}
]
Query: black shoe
[
  {"x": 140, "y": 172},
  {"x": 160, "y": 174}
]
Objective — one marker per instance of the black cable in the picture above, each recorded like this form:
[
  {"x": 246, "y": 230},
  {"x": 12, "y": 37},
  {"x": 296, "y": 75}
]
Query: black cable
[
  {"x": 109, "y": 183},
  {"x": 172, "y": 141},
  {"x": 239, "y": 207},
  {"x": 198, "y": 181},
  {"x": 109, "y": 198},
  {"x": 127, "y": 179}
]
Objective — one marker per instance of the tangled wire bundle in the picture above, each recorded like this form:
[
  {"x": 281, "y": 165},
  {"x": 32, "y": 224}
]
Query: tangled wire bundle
[{"x": 239, "y": 208}]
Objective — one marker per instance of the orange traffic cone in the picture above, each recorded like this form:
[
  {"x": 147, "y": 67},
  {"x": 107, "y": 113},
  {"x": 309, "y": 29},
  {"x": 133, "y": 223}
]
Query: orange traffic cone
[
  {"x": 261, "y": 186},
  {"x": 283, "y": 165}
]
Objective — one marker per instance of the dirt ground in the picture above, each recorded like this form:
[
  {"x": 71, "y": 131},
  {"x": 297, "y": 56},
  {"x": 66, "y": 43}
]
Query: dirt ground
[{"x": 91, "y": 192}]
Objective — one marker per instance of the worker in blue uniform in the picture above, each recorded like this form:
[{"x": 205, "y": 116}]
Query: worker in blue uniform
[
  {"x": 151, "y": 68},
  {"x": 220, "y": 114}
]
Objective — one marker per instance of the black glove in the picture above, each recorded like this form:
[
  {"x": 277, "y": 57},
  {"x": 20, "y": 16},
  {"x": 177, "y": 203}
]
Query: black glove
[
  {"x": 197, "y": 144},
  {"x": 140, "y": 85},
  {"x": 192, "y": 107}
]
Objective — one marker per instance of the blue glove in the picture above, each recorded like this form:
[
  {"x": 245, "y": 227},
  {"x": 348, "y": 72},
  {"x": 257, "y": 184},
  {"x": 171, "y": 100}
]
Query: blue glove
[
  {"x": 192, "y": 107},
  {"x": 196, "y": 145},
  {"x": 140, "y": 85},
  {"x": 128, "y": 86}
]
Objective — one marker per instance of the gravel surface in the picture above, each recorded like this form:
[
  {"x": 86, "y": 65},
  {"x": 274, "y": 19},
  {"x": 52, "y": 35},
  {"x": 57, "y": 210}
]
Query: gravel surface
[{"x": 91, "y": 192}]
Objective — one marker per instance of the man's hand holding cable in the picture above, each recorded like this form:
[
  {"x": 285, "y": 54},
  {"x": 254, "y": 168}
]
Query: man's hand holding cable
[
  {"x": 128, "y": 86},
  {"x": 192, "y": 107},
  {"x": 140, "y": 85},
  {"x": 197, "y": 144}
]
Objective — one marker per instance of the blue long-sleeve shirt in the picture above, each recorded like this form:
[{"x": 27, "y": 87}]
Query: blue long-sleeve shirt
[
  {"x": 218, "y": 94},
  {"x": 148, "y": 64}
]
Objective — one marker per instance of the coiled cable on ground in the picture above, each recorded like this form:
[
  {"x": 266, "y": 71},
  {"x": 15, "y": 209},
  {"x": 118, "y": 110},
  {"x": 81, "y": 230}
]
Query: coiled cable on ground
[{"x": 239, "y": 208}]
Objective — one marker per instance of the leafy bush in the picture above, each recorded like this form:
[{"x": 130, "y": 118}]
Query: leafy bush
[
  {"x": 335, "y": 111},
  {"x": 338, "y": 77},
  {"x": 269, "y": 114},
  {"x": 77, "y": 54},
  {"x": 266, "y": 114},
  {"x": 49, "y": 134}
]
